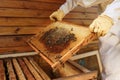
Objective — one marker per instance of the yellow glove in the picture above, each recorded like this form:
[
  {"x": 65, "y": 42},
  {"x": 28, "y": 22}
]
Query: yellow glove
[
  {"x": 101, "y": 25},
  {"x": 57, "y": 15}
]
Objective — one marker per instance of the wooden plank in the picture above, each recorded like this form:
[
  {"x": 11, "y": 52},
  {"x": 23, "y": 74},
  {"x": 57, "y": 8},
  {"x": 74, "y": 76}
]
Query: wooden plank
[
  {"x": 85, "y": 76},
  {"x": 69, "y": 70},
  {"x": 85, "y": 70},
  {"x": 11, "y": 73},
  {"x": 27, "y": 72},
  {"x": 2, "y": 71},
  {"x": 79, "y": 15},
  {"x": 93, "y": 9},
  {"x": 18, "y": 70},
  {"x": 9, "y": 12},
  {"x": 14, "y": 55},
  {"x": 87, "y": 49},
  {"x": 12, "y": 41},
  {"x": 51, "y": 1},
  {"x": 20, "y": 49},
  {"x": 14, "y": 44},
  {"x": 38, "y": 22},
  {"x": 19, "y": 30},
  {"x": 33, "y": 71},
  {"x": 39, "y": 69},
  {"x": 83, "y": 55},
  {"x": 28, "y": 5},
  {"x": 24, "y": 21},
  {"x": 79, "y": 21}
]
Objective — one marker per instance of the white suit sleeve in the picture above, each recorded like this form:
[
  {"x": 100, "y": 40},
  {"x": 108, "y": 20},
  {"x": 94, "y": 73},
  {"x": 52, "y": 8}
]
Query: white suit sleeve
[
  {"x": 71, "y": 4},
  {"x": 113, "y": 11},
  {"x": 68, "y": 6}
]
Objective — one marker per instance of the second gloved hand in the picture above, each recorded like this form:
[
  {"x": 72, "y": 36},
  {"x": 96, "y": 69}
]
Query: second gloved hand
[
  {"x": 101, "y": 25},
  {"x": 57, "y": 15}
]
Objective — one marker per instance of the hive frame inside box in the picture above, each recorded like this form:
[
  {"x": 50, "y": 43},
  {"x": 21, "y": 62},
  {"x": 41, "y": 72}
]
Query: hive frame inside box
[{"x": 83, "y": 37}]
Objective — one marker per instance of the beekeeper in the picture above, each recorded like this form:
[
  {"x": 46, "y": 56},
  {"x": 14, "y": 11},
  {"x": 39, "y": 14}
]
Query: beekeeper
[{"x": 106, "y": 26}]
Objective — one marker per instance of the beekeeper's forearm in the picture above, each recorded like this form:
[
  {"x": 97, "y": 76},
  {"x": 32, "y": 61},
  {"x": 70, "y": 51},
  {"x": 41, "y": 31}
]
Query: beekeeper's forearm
[
  {"x": 68, "y": 6},
  {"x": 113, "y": 10}
]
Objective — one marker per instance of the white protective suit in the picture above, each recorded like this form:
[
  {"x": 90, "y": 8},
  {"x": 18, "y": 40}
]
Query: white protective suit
[{"x": 110, "y": 43}]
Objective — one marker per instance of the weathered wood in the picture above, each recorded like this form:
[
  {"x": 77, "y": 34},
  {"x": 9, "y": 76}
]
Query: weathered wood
[
  {"x": 77, "y": 15},
  {"x": 20, "y": 49},
  {"x": 79, "y": 21},
  {"x": 84, "y": 55},
  {"x": 19, "y": 17},
  {"x": 68, "y": 70},
  {"x": 50, "y": 1},
  {"x": 2, "y": 71},
  {"x": 33, "y": 71},
  {"x": 7, "y": 12},
  {"x": 85, "y": 70},
  {"x": 18, "y": 70},
  {"x": 88, "y": 54},
  {"x": 14, "y": 41},
  {"x": 14, "y": 44},
  {"x": 39, "y": 69},
  {"x": 27, "y": 72},
  {"x": 11, "y": 12},
  {"x": 37, "y": 22},
  {"x": 14, "y": 55},
  {"x": 86, "y": 76},
  {"x": 11, "y": 72},
  {"x": 93, "y": 9},
  {"x": 19, "y": 30},
  {"x": 23, "y": 21},
  {"x": 22, "y": 4}
]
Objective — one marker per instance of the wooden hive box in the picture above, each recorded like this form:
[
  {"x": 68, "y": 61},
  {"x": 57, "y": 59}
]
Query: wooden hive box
[{"x": 26, "y": 68}]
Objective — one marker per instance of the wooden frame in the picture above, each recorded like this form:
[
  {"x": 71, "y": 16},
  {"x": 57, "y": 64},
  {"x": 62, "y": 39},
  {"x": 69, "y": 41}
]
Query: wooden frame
[
  {"x": 83, "y": 35},
  {"x": 88, "y": 54},
  {"x": 85, "y": 76}
]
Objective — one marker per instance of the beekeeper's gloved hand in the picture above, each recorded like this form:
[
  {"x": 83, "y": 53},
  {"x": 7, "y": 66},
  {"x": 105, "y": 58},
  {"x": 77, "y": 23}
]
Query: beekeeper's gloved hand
[
  {"x": 101, "y": 25},
  {"x": 57, "y": 15}
]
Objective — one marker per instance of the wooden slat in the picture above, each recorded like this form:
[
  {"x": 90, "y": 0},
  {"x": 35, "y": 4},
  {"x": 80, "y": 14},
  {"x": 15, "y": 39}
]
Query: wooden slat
[
  {"x": 14, "y": 55},
  {"x": 12, "y": 41},
  {"x": 20, "y": 49},
  {"x": 27, "y": 73},
  {"x": 79, "y": 21},
  {"x": 33, "y": 71},
  {"x": 85, "y": 70},
  {"x": 93, "y": 9},
  {"x": 19, "y": 30},
  {"x": 12, "y": 75},
  {"x": 2, "y": 71},
  {"x": 79, "y": 15},
  {"x": 69, "y": 70},
  {"x": 28, "y": 4},
  {"x": 24, "y": 21},
  {"x": 85, "y": 76},
  {"x": 9, "y": 12},
  {"x": 39, "y": 69},
  {"x": 13, "y": 44},
  {"x": 84, "y": 55},
  {"x": 51, "y": 1},
  {"x": 18, "y": 70},
  {"x": 38, "y": 22}
]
